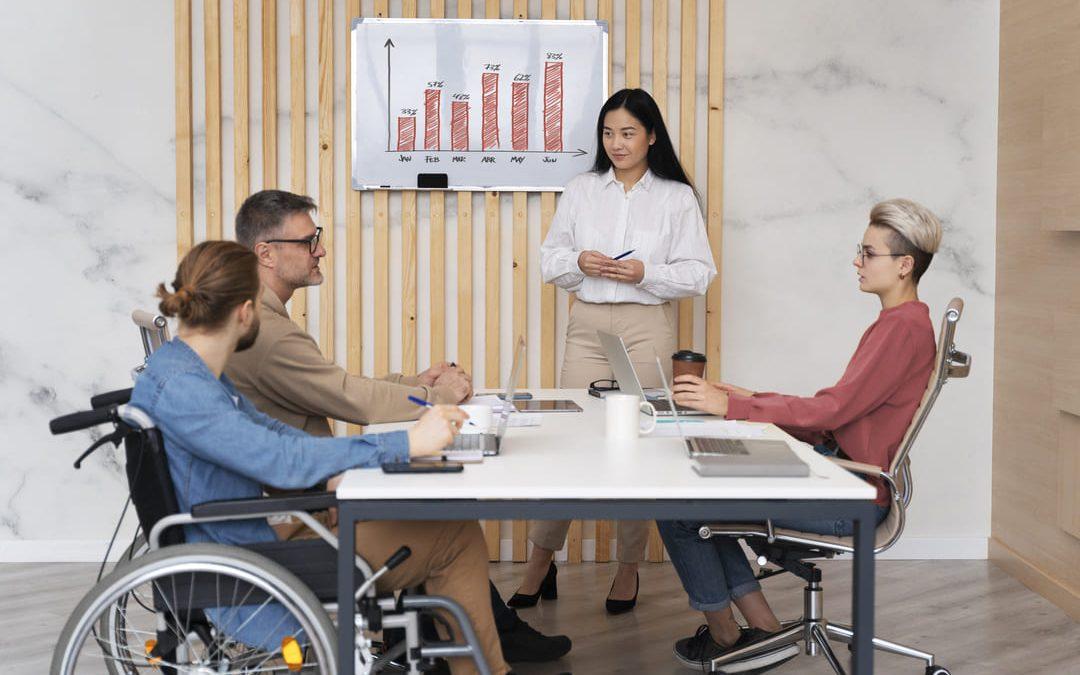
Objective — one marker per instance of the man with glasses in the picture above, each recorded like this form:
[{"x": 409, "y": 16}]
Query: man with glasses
[{"x": 286, "y": 376}]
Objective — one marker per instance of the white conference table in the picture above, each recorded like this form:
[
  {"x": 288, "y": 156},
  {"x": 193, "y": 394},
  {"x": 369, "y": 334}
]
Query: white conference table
[{"x": 566, "y": 469}]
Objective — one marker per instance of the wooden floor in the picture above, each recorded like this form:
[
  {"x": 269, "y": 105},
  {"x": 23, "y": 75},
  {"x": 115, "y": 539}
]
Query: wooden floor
[{"x": 973, "y": 616}]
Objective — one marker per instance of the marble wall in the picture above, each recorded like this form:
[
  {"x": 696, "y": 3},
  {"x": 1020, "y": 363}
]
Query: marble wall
[{"x": 830, "y": 106}]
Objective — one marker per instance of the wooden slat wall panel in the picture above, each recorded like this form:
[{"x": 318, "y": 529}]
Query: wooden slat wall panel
[
  {"x": 687, "y": 142},
  {"x": 520, "y": 530},
  {"x": 655, "y": 549},
  {"x": 464, "y": 258},
  {"x": 381, "y": 216},
  {"x": 326, "y": 174},
  {"x": 605, "y": 11},
  {"x": 241, "y": 105},
  {"x": 633, "y": 44},
  {"x": 492, "y": 242},
  {"x": 408, "y": 257},
  {"x": 437, "y": 272},
  {"x": 269, "y": 95},
  {"x": 547, "y": 308},
  {"x": 660, "y": 55},
  {"x": 297, "y": 130},
  {"x": 382, "y": 259},
  {"x": 354, "y": 337},
  {"x": 408, "y": 281},
  {"x": 185, "y": 185},
  {"x": 212, "y": 62},
  {"x": 715, "y": 215}
]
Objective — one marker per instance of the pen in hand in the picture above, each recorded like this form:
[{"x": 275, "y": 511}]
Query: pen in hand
[
  {"x": 623, "y": 255},
  {"x": 428, "y": 404}
]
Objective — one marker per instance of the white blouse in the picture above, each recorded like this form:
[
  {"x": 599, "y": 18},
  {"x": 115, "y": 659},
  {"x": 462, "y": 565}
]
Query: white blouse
[{"x": 658, "y": 218}]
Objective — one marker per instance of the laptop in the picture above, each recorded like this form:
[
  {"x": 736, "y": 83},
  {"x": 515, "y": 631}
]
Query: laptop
[
  {"x": 465, "y": 446},
  {"x": 619, "y": 360},
  {"x": 736, "y": 457}
]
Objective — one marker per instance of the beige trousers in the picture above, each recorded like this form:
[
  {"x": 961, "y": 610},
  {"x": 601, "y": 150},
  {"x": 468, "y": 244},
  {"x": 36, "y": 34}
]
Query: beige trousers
[
  {"x": 449, "y": 558},
  {"x": 647, "y": 331}
]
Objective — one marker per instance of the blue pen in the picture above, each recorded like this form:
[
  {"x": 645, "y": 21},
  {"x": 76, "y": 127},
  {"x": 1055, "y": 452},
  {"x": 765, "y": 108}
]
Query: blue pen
[
  {"x": 623, "y": 255},
  {"x": 429, "y": 404}
]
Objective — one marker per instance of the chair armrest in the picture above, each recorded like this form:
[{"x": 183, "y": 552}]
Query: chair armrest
[
  {"x": 859, "y": 467},
  {"x": 316, "y": 501}
]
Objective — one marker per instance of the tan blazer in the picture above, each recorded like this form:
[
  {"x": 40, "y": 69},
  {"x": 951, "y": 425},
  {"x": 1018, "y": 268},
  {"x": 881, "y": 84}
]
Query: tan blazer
[{"x": 286, "y": 376}]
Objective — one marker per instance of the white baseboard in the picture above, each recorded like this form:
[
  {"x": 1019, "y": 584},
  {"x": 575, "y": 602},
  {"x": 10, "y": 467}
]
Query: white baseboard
[
  {"x": 938, "y": 548},
  {"x": 57, "y": 550},
  {"x": 78, "y": 550}
]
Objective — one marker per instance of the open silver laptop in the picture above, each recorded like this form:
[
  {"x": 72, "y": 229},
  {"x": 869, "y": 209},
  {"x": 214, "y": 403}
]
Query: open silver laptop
[
  {"x": 736, "y": 457},
  {"x": 491, "y": 443},
  {"x": 619, "y": 360}
]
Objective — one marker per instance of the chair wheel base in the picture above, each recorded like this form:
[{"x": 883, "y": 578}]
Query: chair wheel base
[{"x": 937, "y": 670}]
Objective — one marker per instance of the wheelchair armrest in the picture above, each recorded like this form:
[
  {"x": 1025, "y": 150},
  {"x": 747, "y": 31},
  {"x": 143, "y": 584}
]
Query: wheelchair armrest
[{"x": 313, "y": 501}]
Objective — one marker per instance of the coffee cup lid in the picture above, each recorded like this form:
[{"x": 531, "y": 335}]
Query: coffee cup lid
[{"x": 688, "y": 355}]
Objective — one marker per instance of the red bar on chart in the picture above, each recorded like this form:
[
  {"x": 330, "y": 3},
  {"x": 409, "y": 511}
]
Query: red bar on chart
[
  {"x": 553, "y": 106},
  {"x": 406, "y": 134},
  {"x": 459, "y": 126},
  {"x": 431, "y": 119},
  {"x": 519, "y": 116},
  {"x": 489, "y": 111}
]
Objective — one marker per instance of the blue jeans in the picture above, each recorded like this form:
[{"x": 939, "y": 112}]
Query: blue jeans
[{"x": 715, "y": 571}]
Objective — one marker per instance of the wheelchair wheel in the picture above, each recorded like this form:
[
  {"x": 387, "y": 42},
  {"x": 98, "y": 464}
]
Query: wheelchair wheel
[
  {"x": 112, "y": 623},
  {"x": 198, "y": 608}
]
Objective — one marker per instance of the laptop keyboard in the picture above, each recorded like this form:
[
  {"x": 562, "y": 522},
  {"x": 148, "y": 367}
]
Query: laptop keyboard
[
  {"x": 467, "y": 442},
  {"x": 664, "y": 405},
  {"x": 717, "y": 446}
]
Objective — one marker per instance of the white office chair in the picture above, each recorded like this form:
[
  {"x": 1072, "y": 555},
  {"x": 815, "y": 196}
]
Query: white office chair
[{"x": 789, "y": 549}]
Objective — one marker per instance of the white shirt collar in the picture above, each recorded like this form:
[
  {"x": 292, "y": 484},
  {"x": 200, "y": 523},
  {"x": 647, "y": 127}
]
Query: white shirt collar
[{"x": 645, "y": 182}]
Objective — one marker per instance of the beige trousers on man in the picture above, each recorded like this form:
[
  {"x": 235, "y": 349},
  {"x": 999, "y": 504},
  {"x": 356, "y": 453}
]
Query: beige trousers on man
[
  {"x": 647, "y": 331},
  {"x": 448, "y": 558}
]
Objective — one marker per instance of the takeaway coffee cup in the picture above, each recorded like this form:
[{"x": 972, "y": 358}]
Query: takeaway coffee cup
[{"x": 686, "y": 362}]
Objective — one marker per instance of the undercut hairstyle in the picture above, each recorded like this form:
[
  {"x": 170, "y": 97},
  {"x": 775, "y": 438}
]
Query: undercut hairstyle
[
  {"x": 263, "y": 214},
  {"x": 914, "y": 230},
  {"x": 661, "y": 157},
  {"x": 211, "y": 281}
]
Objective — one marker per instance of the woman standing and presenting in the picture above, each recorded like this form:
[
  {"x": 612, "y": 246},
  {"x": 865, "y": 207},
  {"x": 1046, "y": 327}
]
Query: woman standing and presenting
[{"x": 628, "y": 238}]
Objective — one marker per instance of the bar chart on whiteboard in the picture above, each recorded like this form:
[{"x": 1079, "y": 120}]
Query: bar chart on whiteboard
[{"x": 475, "y": 104}]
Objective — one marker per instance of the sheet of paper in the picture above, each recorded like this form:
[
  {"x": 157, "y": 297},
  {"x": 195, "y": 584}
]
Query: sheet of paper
[
  {"x": 492, "y": 401},
  {"x": 523, "y": 420},
  {"x": 706, "y": 428}
]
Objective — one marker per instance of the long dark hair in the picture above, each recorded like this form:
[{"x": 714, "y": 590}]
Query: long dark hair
[{"x": 661, "y": 157}]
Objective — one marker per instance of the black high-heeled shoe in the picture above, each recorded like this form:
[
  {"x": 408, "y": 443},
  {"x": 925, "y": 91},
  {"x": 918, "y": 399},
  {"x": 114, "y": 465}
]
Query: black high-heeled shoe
[
  {"x": 623, "y": 606},
  {"x": 549, "y": 590}
]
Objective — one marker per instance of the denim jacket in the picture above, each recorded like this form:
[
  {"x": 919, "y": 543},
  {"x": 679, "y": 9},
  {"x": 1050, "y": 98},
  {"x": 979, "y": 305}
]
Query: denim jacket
[{"x": 220, "y": 447}]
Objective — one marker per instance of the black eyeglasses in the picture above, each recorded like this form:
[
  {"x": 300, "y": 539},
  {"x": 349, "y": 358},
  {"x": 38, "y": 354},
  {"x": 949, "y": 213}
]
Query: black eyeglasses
[
  {"x": 862, "y": 254},
  {"x": 312, "y": 241}
]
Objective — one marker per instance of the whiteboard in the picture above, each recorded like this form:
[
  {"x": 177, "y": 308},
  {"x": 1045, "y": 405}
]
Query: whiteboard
[{"x": 475, "y": 104}]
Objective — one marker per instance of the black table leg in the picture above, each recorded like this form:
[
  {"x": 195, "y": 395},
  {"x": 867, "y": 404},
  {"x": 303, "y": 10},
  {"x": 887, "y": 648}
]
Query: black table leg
[
  {"x": 862, "y": 600},
  {"x": 346, "y": 588}
]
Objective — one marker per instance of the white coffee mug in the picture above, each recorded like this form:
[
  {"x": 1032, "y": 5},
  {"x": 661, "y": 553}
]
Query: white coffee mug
[
  {"x": 623, "y": 416},
  {"x": 479, "y": 421}
]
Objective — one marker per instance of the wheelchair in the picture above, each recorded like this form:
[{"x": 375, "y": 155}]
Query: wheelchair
[{"x": 174, "y": 606}]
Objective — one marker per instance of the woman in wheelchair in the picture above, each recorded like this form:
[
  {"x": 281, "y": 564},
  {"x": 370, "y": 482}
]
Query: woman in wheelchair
[
  {"x": 220, "y": 447},
  {"x": 863, "y": 417}
]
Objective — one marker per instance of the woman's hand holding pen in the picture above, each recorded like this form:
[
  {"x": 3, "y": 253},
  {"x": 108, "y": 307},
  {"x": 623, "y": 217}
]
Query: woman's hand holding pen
[
  {"x": 628, "y": 271},
  {"x": 596, "y": 264}
]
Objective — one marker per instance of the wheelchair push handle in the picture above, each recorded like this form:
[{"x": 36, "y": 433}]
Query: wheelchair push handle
[
  {"x": 110, "y": 399},
  {"x": 81, "y": 420}
]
